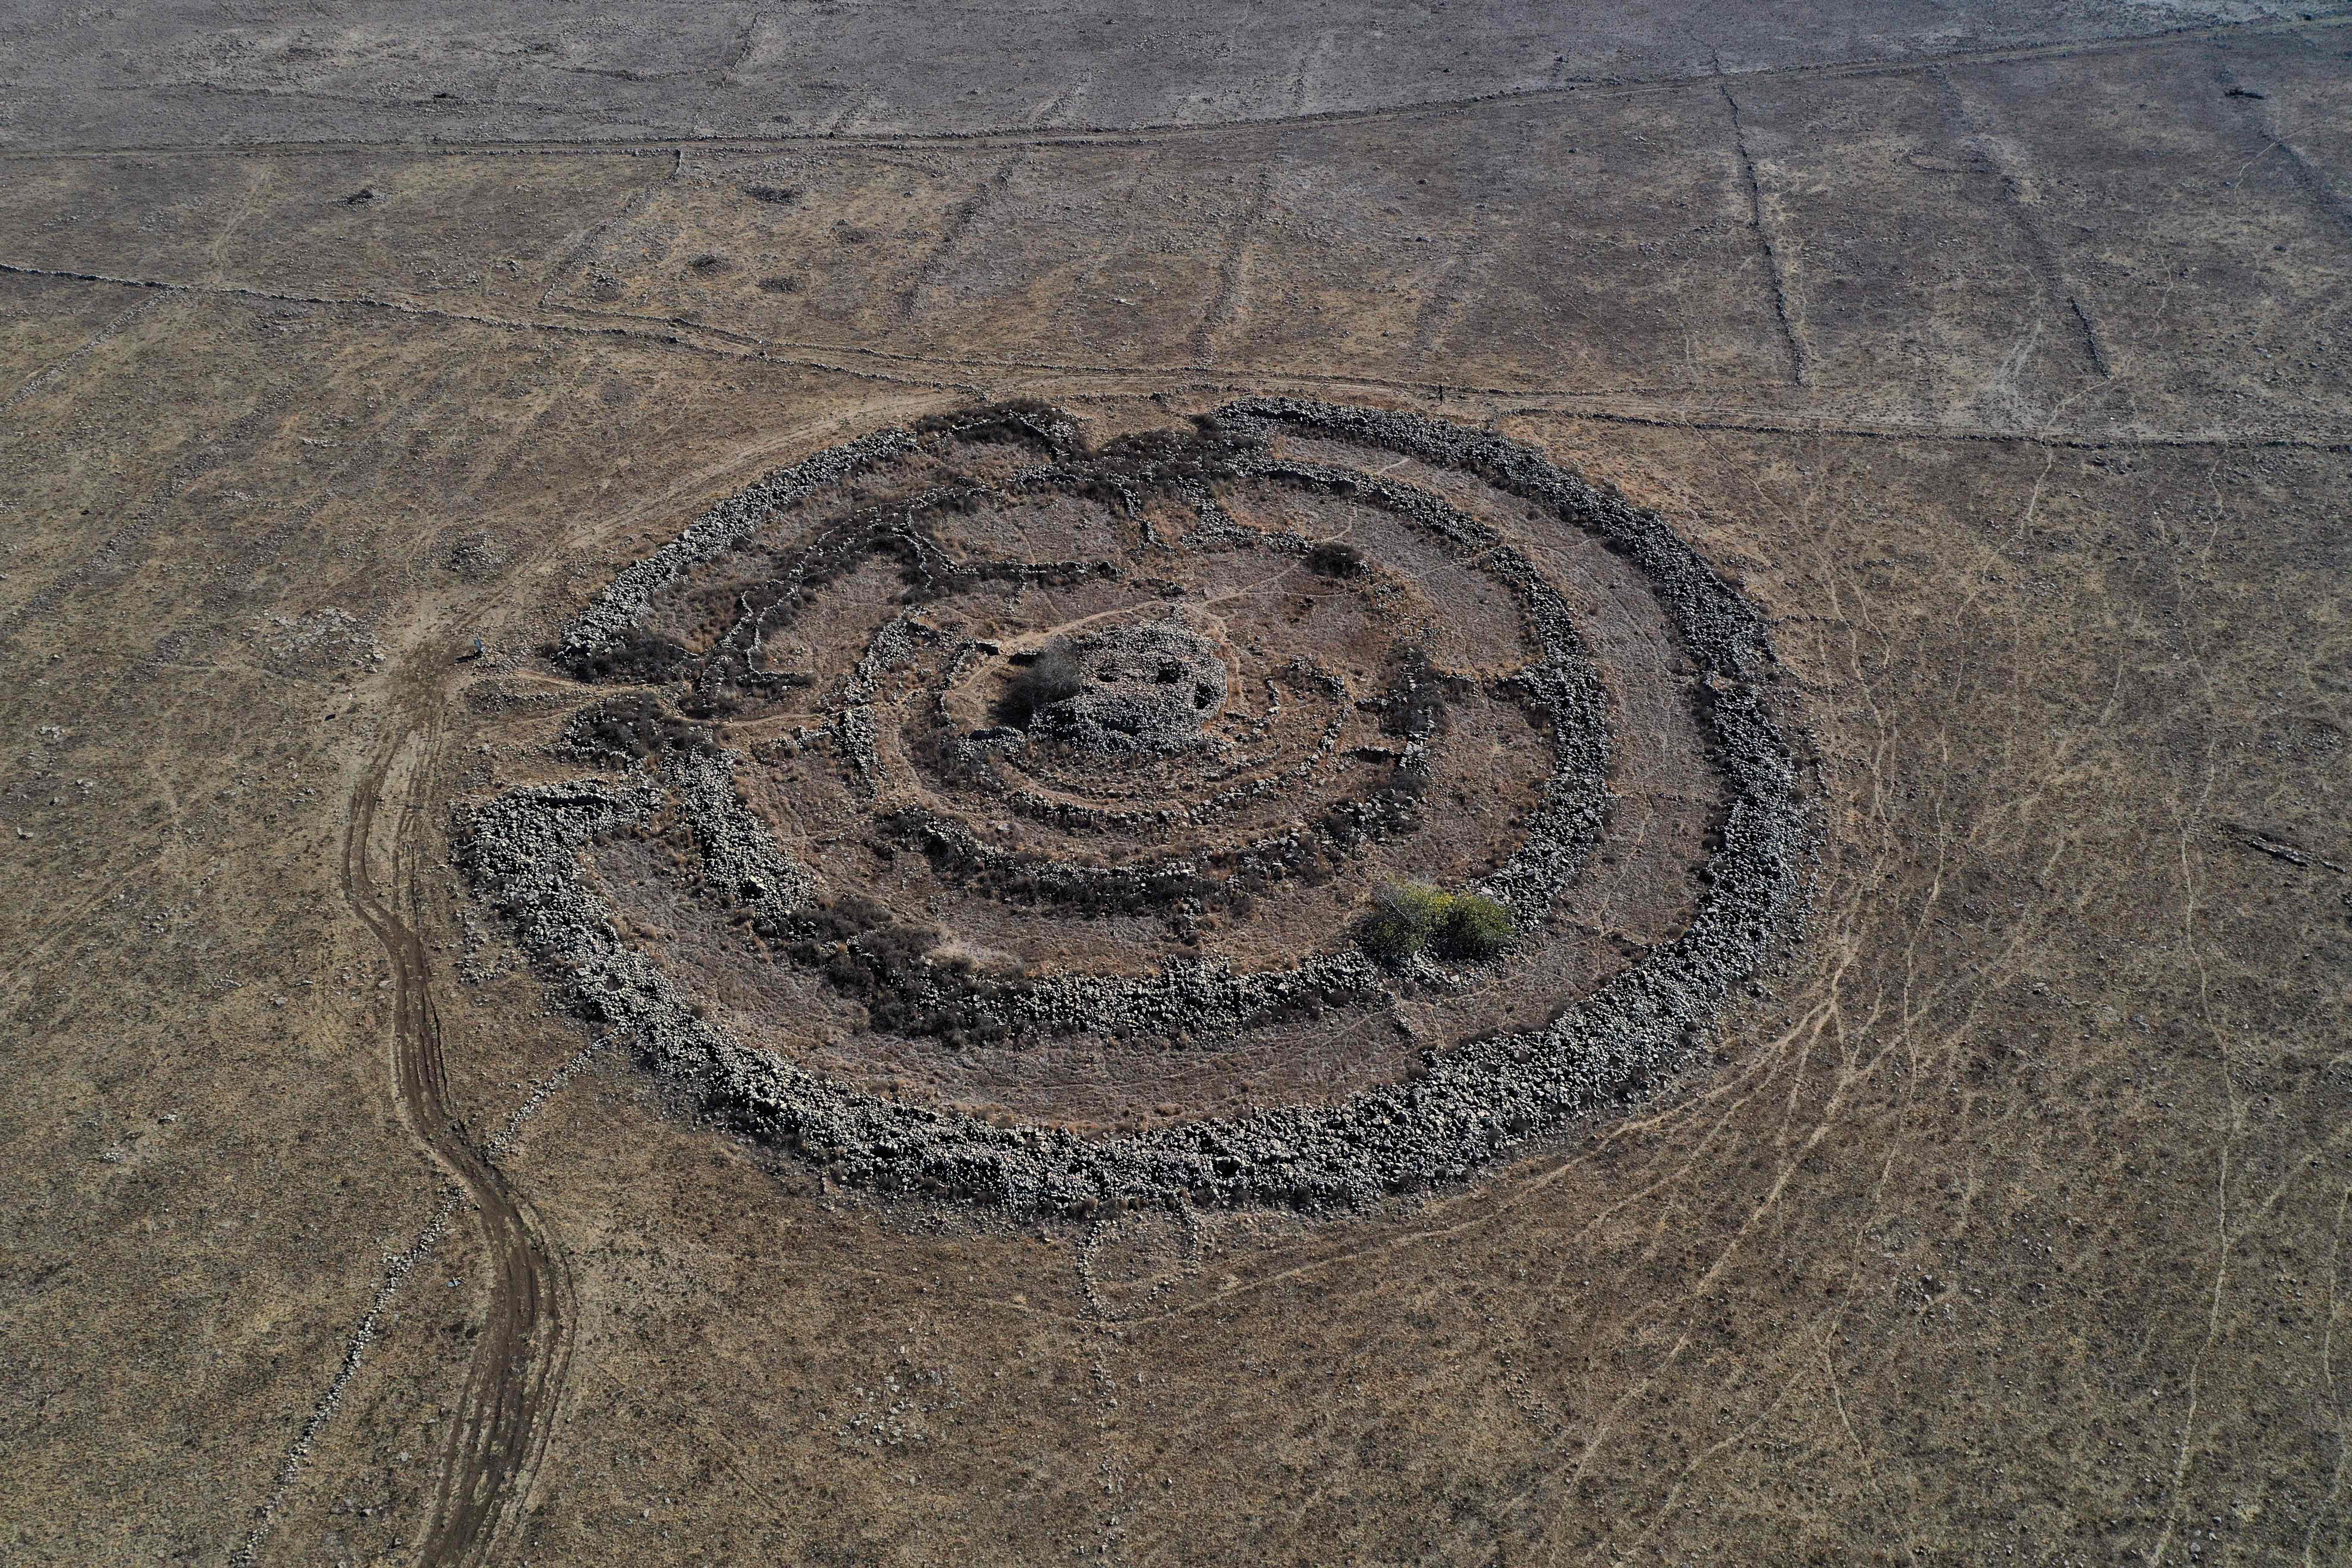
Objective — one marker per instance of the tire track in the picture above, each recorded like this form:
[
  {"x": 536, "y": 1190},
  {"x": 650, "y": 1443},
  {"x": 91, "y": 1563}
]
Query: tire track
[
  {"x": 504, "y": 1416},
  {"x": 832, "y": 134},
  {"x": 1615, "y": 404}
]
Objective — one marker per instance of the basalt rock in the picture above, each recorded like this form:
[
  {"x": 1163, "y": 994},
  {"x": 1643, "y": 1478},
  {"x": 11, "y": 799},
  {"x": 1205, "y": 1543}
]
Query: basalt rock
[{"x": 1149, "y": 688}]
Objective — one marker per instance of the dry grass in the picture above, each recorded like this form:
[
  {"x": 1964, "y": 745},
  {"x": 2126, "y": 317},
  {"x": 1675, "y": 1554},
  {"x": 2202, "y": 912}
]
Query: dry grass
[{"x": 2008, "y": 1218}]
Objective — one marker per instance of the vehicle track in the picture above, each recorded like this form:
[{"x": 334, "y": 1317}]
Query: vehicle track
[
  {"x": 833, "y": 137},
  {"x": 504, "y": 1416},
  {"x": 1138, "y": 381}
]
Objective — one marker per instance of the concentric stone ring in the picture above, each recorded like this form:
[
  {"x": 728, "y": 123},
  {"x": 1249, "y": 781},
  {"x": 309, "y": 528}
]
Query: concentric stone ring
[{"x": 983, "y": 814}]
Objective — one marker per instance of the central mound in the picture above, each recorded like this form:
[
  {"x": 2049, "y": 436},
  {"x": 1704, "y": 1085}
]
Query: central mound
[
  {"x": 1129, "y": 688},
  {"x": 1025, "y": 819}
]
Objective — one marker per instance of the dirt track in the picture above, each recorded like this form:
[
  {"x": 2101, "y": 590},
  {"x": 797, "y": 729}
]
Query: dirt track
[
  {"x": 510, "y": 1392},
  {"x": 2008, "y": 1223}
]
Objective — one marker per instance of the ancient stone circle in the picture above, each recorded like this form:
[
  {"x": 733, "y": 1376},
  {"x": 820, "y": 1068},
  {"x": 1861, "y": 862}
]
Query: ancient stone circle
[{"x": 975, "y": 812}]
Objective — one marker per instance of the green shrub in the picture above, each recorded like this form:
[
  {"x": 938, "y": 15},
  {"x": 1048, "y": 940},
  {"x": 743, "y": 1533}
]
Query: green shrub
[
  {"x": 1403, "y": 915},
  {"x": 1473, "y": 927},
  {"x": 1407, "y": 917}
]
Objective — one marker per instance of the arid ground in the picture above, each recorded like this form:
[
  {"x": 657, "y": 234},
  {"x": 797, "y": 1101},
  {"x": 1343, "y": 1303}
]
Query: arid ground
[{"x": 2000, "y": 355}]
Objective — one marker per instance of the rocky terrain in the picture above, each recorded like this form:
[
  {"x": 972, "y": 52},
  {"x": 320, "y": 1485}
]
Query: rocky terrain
[{"x": 1464, "y": 1103}]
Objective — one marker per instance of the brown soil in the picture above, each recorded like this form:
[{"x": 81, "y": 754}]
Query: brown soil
[{"x": 2001, "y": 359}]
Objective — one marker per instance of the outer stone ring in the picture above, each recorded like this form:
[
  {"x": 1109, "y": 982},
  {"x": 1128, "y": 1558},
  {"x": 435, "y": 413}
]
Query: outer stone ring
[{"x": 980, "y": 814}]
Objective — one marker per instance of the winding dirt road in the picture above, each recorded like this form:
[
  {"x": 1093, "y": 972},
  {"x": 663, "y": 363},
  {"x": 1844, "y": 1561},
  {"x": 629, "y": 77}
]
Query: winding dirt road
[{"x": 501, "y": 1426}]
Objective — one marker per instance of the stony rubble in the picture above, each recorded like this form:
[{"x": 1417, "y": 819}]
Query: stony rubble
[
  {"x": 1461, "y": 1109},
  {"x": 1149, "y": 687}
]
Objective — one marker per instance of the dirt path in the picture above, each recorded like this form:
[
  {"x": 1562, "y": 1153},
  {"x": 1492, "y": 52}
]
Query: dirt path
[{"x": 504, "y": 1416}]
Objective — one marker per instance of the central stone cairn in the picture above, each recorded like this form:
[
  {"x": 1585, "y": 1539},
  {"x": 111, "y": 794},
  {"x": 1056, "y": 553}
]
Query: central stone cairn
[
  {"x": 1148, "y": 689},
  {"x": 987, "y": 814}
]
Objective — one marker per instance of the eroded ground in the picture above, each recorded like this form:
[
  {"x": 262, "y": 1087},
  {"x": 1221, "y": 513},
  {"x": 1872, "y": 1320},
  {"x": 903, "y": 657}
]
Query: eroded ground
[{"x": 2005, "y": 1222}]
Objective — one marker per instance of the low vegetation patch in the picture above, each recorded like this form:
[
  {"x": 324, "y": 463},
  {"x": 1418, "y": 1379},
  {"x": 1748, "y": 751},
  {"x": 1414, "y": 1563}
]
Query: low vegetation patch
[
  {"x": 1333, "y": 559},
  {"x": 1407, "y": 918},
  {"x": 1418, "y": 692},
  {"x": 1053, "y": 675}
]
